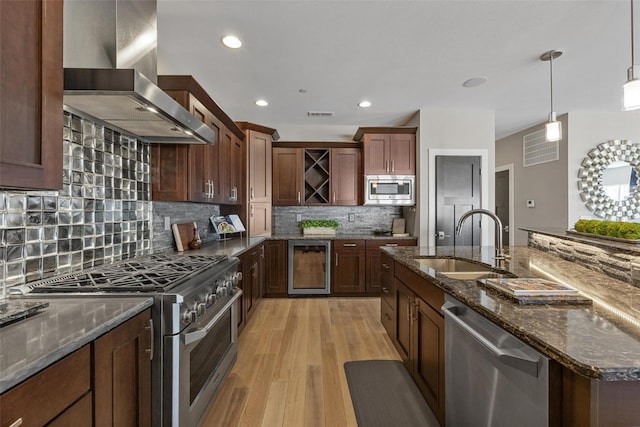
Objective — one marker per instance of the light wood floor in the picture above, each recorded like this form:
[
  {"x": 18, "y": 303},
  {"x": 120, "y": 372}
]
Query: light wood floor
[{"x": 290, "y": 371}]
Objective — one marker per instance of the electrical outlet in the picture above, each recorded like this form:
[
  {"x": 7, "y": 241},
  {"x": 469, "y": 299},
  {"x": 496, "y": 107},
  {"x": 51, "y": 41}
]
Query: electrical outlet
[
  {"x": 531, "y": 203},
  {"x": 167, "y": 223},
  {"x": 298, "y": 217},
  {"x": 352, "y": 217}
]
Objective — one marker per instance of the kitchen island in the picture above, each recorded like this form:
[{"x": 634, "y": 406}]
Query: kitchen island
[{"x": 595, "y": 348}]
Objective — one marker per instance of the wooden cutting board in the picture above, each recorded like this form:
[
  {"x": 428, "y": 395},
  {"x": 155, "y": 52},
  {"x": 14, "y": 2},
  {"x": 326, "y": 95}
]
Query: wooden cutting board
[{"x": 183, "y": 234}]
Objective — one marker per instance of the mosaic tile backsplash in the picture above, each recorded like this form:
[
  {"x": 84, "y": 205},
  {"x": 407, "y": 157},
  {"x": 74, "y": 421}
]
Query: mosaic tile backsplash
[{"x": 101, "y": 215}]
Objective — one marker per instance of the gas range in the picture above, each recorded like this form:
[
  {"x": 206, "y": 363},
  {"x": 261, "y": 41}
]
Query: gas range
[
  {"x": 151, "y": 273},
  {"x": 194, "y": 321}
]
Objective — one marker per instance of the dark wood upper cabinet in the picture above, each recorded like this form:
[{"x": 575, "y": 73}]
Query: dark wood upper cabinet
[
  {"x": 31, "y": 101},
  {"x": 287, "y": 176},
  {"x": 210, "y": 173},
  {"x": 346, "y": 176},
  {"x": 388, "y": 151},
  {"x": 316, "y": 176}
]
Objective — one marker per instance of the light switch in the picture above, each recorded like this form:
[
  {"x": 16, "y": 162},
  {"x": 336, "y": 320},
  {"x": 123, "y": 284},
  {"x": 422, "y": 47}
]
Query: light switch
[
  {"x": 352, "y": 217},
  {"x": 167, "y": 223},
  {"x": 531, "y": 203},
  {"x": 298, "y": 217}
]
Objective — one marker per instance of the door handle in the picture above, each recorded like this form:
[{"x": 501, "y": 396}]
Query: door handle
[
  {"x": 150, "y": 329},
  {"x": 516, "y": 360}
]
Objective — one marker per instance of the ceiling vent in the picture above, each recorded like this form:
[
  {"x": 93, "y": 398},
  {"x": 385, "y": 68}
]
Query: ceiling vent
[
  {"x": 320, "y": 113},
  {"x": 536, "y": 150}
]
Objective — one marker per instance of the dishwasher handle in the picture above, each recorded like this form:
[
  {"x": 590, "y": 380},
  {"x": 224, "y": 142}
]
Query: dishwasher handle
[{"x": 518, "y": 361}]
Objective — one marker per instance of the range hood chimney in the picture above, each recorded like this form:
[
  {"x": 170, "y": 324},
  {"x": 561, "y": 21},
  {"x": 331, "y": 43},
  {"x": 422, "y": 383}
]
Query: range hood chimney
[{"x": 110, "y": 60}]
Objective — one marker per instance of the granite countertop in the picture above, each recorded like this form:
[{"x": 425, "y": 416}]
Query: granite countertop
[
  {"x": 68, "y": 323},
  {"x": 338, "y": 236},
  {"x": 631, "y": 247},
  {"x": 600, "y": 341},
  {"x": 231, "y": 247}
]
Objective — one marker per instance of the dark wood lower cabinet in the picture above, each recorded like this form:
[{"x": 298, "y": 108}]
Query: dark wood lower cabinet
[
  {"x": 276, "y": 264},
  {"x": 348, "y": 267},
  {"x": 122, "y": 374},
  {"x": 252, "y": 283},
  {"x": 419, "y": 335},
  {"x": 374, "y": 260},
  {"x": 105, "y": 383}
]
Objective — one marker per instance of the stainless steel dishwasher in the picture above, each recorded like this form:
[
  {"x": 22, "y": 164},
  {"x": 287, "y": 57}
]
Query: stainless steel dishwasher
[{"x": 491, "y": 377}]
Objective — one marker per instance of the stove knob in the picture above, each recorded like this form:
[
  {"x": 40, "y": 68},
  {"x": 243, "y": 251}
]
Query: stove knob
[
  {"x": 189, "y": 316},
  {"x": 221, "y": 290},
  {"x": 201, "y": 308},
  {"x": 211, "y": 298},
  {"x": 236, "y": 278}
]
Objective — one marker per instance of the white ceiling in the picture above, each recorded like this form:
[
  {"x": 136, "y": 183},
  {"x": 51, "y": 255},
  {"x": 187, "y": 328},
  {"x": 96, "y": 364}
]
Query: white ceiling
[{"x": 401, "y": 55}]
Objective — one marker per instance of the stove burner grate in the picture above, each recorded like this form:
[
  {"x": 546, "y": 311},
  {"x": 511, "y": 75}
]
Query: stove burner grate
[{"x": 148, "y": 274}]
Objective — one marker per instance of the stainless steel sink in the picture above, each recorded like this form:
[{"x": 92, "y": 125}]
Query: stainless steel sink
[
  {"x": 471, "y": 275},
  {"x": 442, "y": 265}
]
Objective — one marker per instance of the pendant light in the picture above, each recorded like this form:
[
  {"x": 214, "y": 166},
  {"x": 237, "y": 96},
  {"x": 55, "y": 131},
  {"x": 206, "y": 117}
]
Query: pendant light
[
  {"x": 631, "y": 89},
  {"x": 553, "y": 127}
]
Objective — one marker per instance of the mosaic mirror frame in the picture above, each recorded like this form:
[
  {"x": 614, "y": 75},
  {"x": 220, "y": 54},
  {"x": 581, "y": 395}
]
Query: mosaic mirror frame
[{"x": 590, "y": 180}]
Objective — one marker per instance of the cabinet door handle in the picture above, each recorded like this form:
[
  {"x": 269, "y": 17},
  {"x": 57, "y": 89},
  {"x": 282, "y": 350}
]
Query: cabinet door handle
[
  {"x": 385, "y": 290},
  {"x": 262, "y": 251},
  {"x": 251, "y": 211},
  {"x": 336, "y": 259},
  {"x": 252, "y": 194},
  {"x": 16, "y": 423},
  {"x": 213, "y": 190},
  {"x": 334, "y": 197},
  {"x": 386, "y": 165},
  {"x": 393, "y": 168},
  {"x": 385, "y": 266},
  {"x": 414, "y": 311},
  {"x": 150, "y": 329},
  {"x": 349, "y": 245},
  {"x": 409, "y": 302},
  {"x": 298, "y": 197}
]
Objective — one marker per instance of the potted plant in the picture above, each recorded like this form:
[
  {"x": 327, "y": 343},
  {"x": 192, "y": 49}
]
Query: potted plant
[{"x": 319, "y": 226}]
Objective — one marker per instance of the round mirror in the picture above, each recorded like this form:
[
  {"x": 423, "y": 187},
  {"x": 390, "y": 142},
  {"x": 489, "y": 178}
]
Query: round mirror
[
  {"x": 619, "y": 180},
  {"x": 608, "y": 180}
]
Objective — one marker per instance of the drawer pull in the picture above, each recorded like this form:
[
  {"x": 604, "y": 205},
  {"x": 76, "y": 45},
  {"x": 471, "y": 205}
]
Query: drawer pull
[
  {"x": 385, "y": 290},
  {"x": 16, "y": 423},
  {"x": 150, "y": 349},
  {"x": 391, "y": 244},
  {"x": 349, "y": 245},
  {"x": 385, "y": 266}
]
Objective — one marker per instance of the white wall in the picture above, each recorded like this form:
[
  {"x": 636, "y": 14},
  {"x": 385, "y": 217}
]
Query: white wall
[
  {"x": 465, "y": 132},
  {"x": 545, "y": 184},
  {"x": 586, "y": 131}
]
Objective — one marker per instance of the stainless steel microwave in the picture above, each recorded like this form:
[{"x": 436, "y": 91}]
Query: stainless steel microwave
[{"x": 390, "y": 190}]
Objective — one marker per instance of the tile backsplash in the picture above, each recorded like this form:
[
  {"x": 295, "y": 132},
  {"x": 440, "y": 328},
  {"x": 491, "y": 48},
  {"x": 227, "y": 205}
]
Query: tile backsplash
[
  {"x": 102, "y": 214},
  {"x": 366, "y": 218}
]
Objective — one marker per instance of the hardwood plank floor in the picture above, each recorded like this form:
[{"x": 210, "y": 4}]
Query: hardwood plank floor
[{"x": 290, "y": 371}]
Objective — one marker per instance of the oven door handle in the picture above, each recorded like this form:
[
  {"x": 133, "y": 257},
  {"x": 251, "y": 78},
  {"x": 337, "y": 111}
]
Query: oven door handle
[{"x": 198, "y": 334}]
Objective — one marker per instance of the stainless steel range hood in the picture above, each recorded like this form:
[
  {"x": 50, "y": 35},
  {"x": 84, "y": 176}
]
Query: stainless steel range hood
[{"x": 110, "y": 59}]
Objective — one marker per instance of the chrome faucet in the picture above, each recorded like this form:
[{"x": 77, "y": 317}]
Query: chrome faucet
[{"x": 500, "y": 256}]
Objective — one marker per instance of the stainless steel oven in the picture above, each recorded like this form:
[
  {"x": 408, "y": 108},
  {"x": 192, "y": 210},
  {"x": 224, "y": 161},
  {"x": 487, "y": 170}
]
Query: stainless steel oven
[
  {"x": 199, "y": 357},
  {"x": 389, "y": 190}
]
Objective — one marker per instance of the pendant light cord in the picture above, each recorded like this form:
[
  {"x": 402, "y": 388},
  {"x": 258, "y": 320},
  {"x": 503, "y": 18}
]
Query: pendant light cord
[
  {"x": 551, "y": 77},
  {"x": 633, "y": 61}
]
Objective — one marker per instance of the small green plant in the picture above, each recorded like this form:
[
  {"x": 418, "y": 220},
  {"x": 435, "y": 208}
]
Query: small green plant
[
  {"x": 622, "y": 230},
  {"x": 329, "y": 223}
]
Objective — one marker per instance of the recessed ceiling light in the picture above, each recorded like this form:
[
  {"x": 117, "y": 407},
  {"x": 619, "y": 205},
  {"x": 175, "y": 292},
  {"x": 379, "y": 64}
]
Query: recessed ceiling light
[
  {"x": 364, "y": 104},
  {"x": 261, "y": 103},
  {"x": 475, "y": 81},
  {"x": 231, "y": 41}
]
